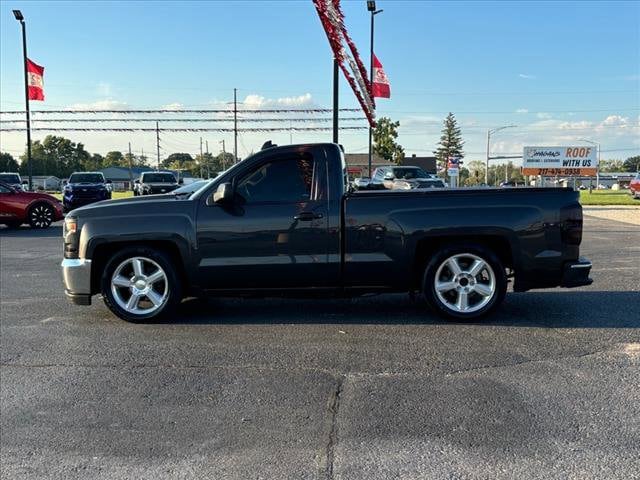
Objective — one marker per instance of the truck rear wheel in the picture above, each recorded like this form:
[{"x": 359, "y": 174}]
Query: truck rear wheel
[
  {"x": 140, "y": 284},
  {"x": 464, "y": 282}
]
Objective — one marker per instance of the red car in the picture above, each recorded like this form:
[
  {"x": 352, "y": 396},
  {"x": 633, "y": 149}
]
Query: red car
[
  {"x": 634, "y": 186},
  {"x": 37, "y": 209}
]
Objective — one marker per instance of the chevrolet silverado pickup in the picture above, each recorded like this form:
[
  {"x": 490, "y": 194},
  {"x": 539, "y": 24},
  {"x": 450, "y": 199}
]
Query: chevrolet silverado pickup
[{"x": 284, "y": 222}]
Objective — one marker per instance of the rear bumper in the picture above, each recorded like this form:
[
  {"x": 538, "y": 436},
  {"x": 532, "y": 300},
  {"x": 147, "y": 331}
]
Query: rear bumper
[
  {"x": 576, "y": 274},
  {"x": 76, "y": 275}
]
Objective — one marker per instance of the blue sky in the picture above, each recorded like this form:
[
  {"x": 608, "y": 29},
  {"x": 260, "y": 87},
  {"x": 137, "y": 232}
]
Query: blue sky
[{"x": 559, "y": 70}]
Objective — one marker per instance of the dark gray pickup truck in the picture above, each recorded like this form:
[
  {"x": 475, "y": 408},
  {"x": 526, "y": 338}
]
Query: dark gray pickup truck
[{"x": 283, "y": 222}]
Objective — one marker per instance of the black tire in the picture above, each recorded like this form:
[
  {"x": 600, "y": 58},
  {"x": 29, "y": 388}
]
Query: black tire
[
  {"x": 465, "y": 252},
  {"x": 41, "y": 215},
  {"x": 173, "y": 284}
]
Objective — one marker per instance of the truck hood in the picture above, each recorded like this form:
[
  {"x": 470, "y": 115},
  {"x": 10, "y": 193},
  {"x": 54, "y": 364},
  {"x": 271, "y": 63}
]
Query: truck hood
[
  {"x": 159, "y": 184},
  {"x": 131, "y": 205},
  {"x": 88, "y": 186}
]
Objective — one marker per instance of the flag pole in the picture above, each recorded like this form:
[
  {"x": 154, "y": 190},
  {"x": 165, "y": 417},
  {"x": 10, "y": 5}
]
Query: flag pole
[
  {"x": 20, "y": 18},
  {"x": 336, "y": 78}
]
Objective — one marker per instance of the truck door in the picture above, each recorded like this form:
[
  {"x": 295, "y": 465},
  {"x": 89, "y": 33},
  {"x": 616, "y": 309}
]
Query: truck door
[{"x": 274, "y": 233}]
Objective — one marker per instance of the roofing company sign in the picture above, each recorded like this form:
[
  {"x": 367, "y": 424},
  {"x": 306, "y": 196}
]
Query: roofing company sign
[{"x": 565, "y": 161}]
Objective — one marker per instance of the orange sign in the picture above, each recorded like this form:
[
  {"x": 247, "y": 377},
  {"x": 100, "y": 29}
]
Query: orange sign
[{"x": 552, "y": 172}]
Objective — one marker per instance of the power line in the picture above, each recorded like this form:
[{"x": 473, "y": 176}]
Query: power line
[
  {"x": 142, "y": 129},
  {"x": 205, "y": 110},
  {"x": 167, "y": 120}
]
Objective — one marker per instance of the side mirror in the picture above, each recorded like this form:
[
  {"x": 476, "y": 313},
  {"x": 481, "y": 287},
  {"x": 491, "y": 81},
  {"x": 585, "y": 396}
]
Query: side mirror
[
  {"x": 223, "y": 193},
  {"x": 24, "y": 182}
]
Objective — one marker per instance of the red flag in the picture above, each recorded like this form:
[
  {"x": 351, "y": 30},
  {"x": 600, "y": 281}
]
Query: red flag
[
  {"x": 35, "y": 75},
  {"x": 380, "y": 87}
]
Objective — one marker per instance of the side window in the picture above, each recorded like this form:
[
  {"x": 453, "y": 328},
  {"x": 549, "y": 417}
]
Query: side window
[{"x": 282, "y": 181}]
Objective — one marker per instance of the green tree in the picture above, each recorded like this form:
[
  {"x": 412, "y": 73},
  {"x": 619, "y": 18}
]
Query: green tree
[
  {"x": 114, "y": 159},
  {"x": 95, "y": 162},
  {"x": 57, "y": 156},
  {"x": 8, "y": 163},
  {"x": 384, "y": 140},
  {"x": 451, "y": 143},
  {"x": 177, "y": 160},
  {"x": 632, "y": 164},
  {"x": 607, "y": 166},
  {"x": 224, "y": 160},
  {"x": 476, "y": 173}
]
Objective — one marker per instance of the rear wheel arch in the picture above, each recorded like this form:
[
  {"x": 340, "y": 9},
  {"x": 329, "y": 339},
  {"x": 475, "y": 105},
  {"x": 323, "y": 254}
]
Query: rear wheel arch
[{"x": 500, "y": 245}]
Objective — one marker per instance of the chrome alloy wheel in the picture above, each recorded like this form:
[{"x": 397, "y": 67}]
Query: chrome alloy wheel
[
  {"x": 465, "y": 283},
  {"x": 139, "y": 285},
  {"x": 41, "y": 216}
]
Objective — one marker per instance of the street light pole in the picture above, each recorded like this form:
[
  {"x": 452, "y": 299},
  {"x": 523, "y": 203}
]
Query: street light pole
[
  {"x": 371, "y": 7},
  {"x": 489, "y": 133},
  {"x": 598, "y": 166},
  {"x": 20, "y": 18}
]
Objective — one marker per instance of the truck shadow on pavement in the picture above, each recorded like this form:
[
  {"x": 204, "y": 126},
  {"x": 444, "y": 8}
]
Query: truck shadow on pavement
[{"x": 552, "y": 309}]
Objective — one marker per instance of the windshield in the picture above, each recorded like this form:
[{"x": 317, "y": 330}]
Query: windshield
[
  {"x": 10, "y": 178},
  {"x": 409, "y": 173},
  {"x": 86, "y": 178},
  {"x": 158, "y": 178}
]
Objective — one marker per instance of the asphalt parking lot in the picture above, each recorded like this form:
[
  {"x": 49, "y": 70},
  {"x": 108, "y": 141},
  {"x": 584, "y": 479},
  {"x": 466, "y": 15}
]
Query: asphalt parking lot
[{"x": 378, "y": 387}]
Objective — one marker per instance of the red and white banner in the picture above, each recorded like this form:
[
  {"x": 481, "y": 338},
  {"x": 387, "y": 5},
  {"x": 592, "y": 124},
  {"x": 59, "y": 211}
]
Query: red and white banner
[
  {"x": 35, "y": 80},
  {"x": 347, "y": 55},
  {"x": 381, "y": 86}
]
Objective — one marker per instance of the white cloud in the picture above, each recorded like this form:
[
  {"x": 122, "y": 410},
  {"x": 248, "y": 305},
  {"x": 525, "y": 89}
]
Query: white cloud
[
  {"x": 543, "y": 115},
  {"x": 173, "y": 106},
  {"x": 528, "y": 77},
  {"x": 522, "y": 110},
  {"x": 100, "y": 105},
  {"x": 255, "y": 101}
]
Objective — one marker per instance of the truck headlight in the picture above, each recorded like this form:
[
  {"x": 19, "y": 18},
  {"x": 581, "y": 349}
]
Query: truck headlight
[{"x": 70, "y": 225}]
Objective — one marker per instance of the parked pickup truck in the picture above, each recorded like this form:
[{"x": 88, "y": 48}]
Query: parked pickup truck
[
  {"x": 84, "y": 188},
  {"x": 284, "y": 222},
  {"x": 151, "y": 183}
]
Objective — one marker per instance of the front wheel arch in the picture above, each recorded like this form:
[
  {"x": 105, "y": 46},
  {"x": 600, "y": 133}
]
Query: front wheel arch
[{"x": 156, "y": 257}]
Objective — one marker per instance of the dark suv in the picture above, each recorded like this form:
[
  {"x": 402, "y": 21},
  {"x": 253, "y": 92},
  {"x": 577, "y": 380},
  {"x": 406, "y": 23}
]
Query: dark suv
[
  {"x": 151, "y": 183},
  {"x": 84, "y": 188}
]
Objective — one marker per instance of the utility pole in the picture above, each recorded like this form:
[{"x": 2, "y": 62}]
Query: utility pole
[
  {"x": 371, "y": 7},
  {"x": 130, "y": 172},
  {"x": 336, "y": 77},
  {"x": 201, "y": 158},
  {"x": 207, "y": 153},
  {"x": 486, "y": 170},
  {"x": 235, "y": 125},
  {"x": 20, "y": 18},
  {"x": 158, "y": 144},
  {"x": 224, "y": 156},
  {"x": 489, "y": 133}
]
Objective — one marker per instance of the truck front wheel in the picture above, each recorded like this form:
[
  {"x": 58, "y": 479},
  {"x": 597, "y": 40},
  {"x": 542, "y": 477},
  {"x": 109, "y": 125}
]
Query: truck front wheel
[
  {"x": 464, "y": 282},
  {"x": 140, "y": 284}
]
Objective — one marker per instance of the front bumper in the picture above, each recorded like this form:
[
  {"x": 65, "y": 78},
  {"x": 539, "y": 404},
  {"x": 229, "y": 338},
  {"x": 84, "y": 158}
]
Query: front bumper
[
  {"x": 576, "y": 274},
  {"x": 76, "y": 275}
]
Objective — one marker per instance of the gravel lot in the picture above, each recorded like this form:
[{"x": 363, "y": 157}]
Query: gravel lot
[{"x": 549, "y": 387}]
